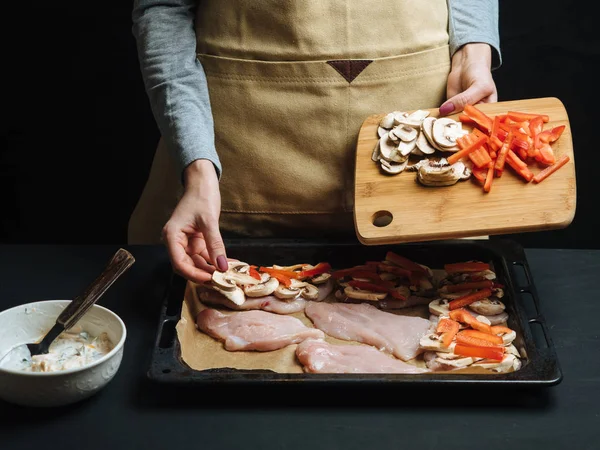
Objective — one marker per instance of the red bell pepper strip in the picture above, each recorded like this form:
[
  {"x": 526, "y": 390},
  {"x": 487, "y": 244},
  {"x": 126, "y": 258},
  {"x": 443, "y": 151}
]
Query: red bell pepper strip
[
  {"x": 287, "y": 281},
  {"x": 491, "y": 338},
  {"x": 499, "y": 164},
  {"x": 455, "y": 157},
  {"x": 541, "y": 176},
  {"x": 405, "y": 263},
  {"x": 536, "y": 125},
  {"x": 480, "y": 157},
  {"x": 396, "y": 270},
  {"x": 502, "y": 134},
  {"x": 319, "y": 269},
  {"x": 466, "y": 267},
  {"x": 285, "y": 273},
  {"x": 521, "y": 116},
  {"x": 466, "y": 119},
  {"x": 487, "y": 187},
  {"x": 469, "y": 286},
  {"x": 519, "y": 166},
  {"x": 479, "y": 174},
  {"x": 463, "y": 316},
  {"x": 466, "y": 339},
  {"x": 447, "y": 329},
  {"x": 466, "y": 300},
  {"x": 545, "y": 155},
  {"x": 482, "y": 120},
  {"x": 493, "y": 353},
  {"x": 254, "y": 273}
]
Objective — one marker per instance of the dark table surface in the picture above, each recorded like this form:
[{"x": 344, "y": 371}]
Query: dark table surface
[{"x": 132, "y": 412}]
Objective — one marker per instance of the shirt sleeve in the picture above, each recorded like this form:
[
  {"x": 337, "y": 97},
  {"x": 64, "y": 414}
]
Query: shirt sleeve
[
  {"x": 174, "y": 78},
  {"x": 475, "y": 21}
]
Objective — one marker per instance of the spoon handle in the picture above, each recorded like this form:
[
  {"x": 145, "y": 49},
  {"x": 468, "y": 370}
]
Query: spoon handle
[{"x": 120, "y": 262}]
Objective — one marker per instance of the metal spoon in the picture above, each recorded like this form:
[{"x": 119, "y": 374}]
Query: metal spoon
[{"x": 120, "y": 262}]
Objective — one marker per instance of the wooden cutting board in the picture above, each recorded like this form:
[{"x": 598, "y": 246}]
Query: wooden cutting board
[{"x": 420, "y": 213}]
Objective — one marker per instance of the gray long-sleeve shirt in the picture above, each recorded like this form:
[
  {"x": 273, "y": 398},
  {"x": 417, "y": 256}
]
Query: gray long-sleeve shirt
[{"x": 176, "y": 83}]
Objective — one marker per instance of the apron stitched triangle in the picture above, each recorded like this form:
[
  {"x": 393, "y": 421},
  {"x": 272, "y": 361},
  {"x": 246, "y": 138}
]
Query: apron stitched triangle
[{"x": 350, "y": 69}]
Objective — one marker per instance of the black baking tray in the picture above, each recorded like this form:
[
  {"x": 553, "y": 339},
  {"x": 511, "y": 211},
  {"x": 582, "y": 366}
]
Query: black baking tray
[{"x": 540, "y": 364}]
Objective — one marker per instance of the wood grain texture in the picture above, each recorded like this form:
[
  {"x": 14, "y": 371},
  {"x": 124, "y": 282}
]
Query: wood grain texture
[{"x": 433, "y": 213}]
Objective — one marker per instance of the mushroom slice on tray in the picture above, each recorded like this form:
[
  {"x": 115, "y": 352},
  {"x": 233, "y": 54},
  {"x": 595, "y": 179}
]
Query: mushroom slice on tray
[
  {"x": 360, "y": 294},
  {"x": 488, "y": 307},
  {"x": 262, "y": 289}
]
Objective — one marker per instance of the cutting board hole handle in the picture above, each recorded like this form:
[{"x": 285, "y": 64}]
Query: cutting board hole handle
[
  {"x": 167, "y": 334},
  {"x": 382, "y": 218}
]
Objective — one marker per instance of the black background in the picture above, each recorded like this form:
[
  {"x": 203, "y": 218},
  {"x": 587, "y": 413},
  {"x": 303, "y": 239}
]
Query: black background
[{"x": 77, "y": 135}]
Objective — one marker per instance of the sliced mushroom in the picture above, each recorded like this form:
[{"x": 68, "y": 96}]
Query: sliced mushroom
[
  {"x": 293, "y": 291},
  {"x": 445, "y": 133},
  {"x": 236, "y": 295},
  {"x": 456, "y": 363},
  {"x": 439, "y": 307},
  {"x": 508, "y": 338},
  {"x": 310, "y": 292},
  {"x": 262, "y": 289},
  {"x": 393, "y": 168},
  {"x": 320, "y": 279},
  {"x": 405, "y": 148},
  {"x": 423, "y": 144},
  {"x": 233, "y": 276},
  {"x": 381, "y": 131},
  {"x": 221, "y": 281},
  {"x": 508, "y": 363},
  {"x": 398, "y": 116},
  {"x": 393, "y": 137},
  {"x": 417, "y": 152},
  {"x": 405, "y": 133},
  {"x": 387, "y": 121},
  {"x": 432, "y": 341},
  {"x": 375, "y": 155},
  {"x": 440, "y": 173},
  {"x": 488, "y": 307},
  {"x": 364, "y": 295},
  {"x": 389, "y": 151},
  {"x": 512, "y": 350},
  {"x": 415, "y": 119},
  {"x": 494, "y": 320},
  {"x": 427, "y": 129},
  {"x": 483, "y": 319}
]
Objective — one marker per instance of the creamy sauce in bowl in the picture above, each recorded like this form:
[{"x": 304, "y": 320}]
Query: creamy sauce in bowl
[{"x": 69, "y": 350}]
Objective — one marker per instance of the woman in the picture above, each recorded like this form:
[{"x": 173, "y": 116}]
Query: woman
[{"x": 259, "y": 105}]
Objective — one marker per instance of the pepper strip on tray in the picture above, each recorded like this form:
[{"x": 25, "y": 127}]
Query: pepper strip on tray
[
  {"x": 494, "y": 353},
  {"x": 470, "y": 298}
]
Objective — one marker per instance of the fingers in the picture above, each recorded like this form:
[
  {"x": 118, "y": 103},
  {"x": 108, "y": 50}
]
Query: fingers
[
  {"x": 183, "y": 264},
  {"x": 474, "y": 94},
  {"x": 215, "y": 246}
]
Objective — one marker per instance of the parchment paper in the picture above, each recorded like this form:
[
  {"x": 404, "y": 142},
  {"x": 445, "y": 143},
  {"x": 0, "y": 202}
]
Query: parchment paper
[{"x": 201, "y": 351}]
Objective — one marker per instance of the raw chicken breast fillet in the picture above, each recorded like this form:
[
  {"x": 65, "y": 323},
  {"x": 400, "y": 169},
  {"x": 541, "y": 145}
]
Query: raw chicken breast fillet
[
  {"x": 254, "y": 330},
  {"x": 395, "y": 334},
  {"x": 318, "y": 356}
]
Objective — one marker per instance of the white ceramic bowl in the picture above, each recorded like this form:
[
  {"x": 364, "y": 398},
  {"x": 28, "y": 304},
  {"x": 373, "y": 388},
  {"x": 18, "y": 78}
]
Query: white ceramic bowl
[{"x": 28, "y": 323}]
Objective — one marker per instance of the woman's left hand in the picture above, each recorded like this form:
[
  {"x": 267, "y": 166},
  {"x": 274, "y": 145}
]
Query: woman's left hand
[{"x": 470, "y": 80}]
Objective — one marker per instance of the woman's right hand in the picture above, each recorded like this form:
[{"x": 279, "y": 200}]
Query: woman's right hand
[{"x": 192, "y": 233}]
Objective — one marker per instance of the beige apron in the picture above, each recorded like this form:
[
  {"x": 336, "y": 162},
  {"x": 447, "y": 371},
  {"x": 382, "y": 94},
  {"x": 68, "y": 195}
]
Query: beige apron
[{"x": 290, "y": 83}]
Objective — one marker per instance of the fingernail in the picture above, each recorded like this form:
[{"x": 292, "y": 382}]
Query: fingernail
[
  {"x": 446, "y": 108},
  {"x": 222, "y": 263}
]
